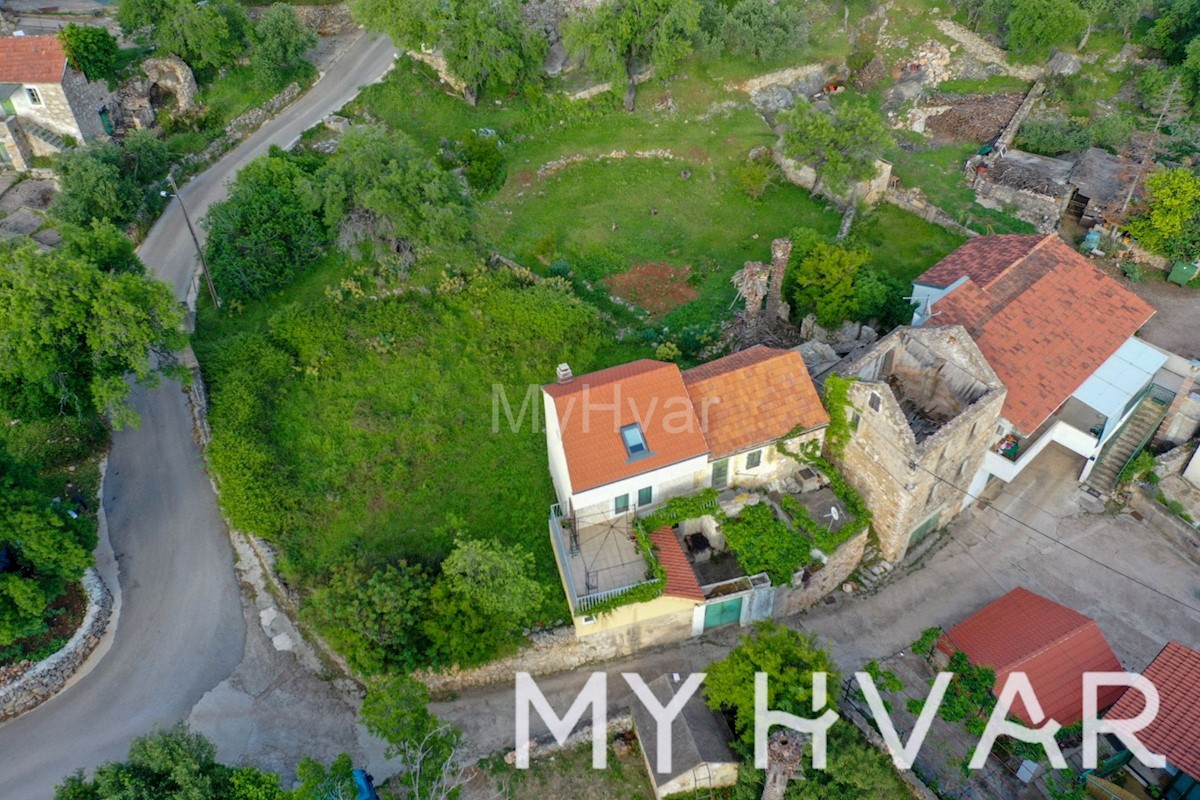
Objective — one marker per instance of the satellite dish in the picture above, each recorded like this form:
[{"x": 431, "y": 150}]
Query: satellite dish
[{"x": 834, "y": 514}]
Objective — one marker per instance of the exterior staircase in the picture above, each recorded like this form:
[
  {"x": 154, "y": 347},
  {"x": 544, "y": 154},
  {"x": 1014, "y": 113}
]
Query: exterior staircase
[
  {"x": 1132, "y": 437},
  {"x": 48, "y": 136}
]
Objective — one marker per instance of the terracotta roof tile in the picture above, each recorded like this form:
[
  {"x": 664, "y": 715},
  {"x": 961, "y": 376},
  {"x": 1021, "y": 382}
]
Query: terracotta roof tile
[
  {"x": 1175, "y": 732},
  {"x": 753, "y": 397},
  {"x": 1044, "y": 323},
  {"x": 593, "y": 408},
  {"x": 1052, "y": 644},
  {"x": 981, "y": 259},
  {"x": 681, "y": 579},
  {"x": 31, "y": 59}
]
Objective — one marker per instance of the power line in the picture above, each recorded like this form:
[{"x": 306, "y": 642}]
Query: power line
[{"x": 1024, "y": 524}]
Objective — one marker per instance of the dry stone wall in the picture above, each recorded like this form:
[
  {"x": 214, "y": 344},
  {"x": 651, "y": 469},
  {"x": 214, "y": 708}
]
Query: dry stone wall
[{"x": 30, "y": 685}]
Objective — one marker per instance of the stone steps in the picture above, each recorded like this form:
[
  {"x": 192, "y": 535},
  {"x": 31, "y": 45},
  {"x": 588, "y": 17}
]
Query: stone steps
[
  {"x": 1137, "y": 430},
  {"x": 49, "y": 137}
]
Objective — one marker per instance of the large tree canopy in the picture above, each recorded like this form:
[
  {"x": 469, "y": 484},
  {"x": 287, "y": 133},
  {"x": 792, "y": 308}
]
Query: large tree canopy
[
  {"x": 280, "y": 41},
  {"x": 70, "y": 333},
  {"x": 617, "y": 38},
  {"x": 841, "y": 146},
  {"x": 1170, "y": 222}
]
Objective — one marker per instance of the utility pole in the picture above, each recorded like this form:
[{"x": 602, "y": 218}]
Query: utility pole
[{"x": 212, "y": 290}]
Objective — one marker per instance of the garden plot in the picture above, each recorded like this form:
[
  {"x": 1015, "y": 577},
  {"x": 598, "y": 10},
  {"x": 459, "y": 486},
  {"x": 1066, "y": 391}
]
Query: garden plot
[
  {"x": 973, "y": 118},
  {"x": 656, "y": 286}
]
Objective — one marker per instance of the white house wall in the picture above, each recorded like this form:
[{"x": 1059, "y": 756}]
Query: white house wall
[
  {"x": 925, "y": 296},
  {"x": 555, "y": 455},
  {"x": 670, "y": 481}
]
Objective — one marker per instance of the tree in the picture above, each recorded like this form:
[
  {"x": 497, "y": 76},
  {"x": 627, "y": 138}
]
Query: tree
[
  {"x": 382, "y": 184},
  {"x": 266, "y": 231},
  {"x": 280, "y": 41},
  {"x": 91, "y": 186},
  {"x": 42, "y": 550},
  {"x": 841, "y": 147},
  {"x": 1035, "y": 27},
  {"x": 109, "y": 181},
  {"x": 426, "y": 749},
  {"x": 206, "y": 35},
  {"x": 91, "y": 50},
  {"x": 485, "y": 42},
  {"x": 1178, "y": 23},
  {"x": 1169, "y": 224},
  {"x": 788, "y": 657},
  {"x": 71, "y": 333},
  {"x": 825, "y": 284},
  {"x": 880, "y": 298},
  {"x": 103, "y": 246},
  {"x": 763, "y": 29},
  {"x": 138, "y": 18},
  {"x": 320, "y": 783},
  {"x": 617, "y": 38},
  {"x": 374, "y": 617},
  {"x": 175, "y": 764},
  {"x": 482, "y": 601}
]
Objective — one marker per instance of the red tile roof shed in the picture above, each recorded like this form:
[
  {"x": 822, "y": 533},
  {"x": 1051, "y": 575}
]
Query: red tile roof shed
[
  {"x": 753, "y": 397},
  {"x": 681, "y": 579},
  {"x": 1045, "y": 322},
  {"x": 1175, "y": 732},
  {"x": 593, "y": 408},
  {"x": 31, "y": 59},
  {"x": 1052, "y": 644}
]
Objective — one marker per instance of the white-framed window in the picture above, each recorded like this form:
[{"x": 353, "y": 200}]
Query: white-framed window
[
  {"x": 753, "y": 460},
  {"x": 33, "y": 95}
]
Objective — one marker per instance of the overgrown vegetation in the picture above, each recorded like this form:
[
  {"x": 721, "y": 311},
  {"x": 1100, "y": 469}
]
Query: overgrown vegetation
[
  {"x": 763, "y": 543},
  {"x": 789, "y": 658}
]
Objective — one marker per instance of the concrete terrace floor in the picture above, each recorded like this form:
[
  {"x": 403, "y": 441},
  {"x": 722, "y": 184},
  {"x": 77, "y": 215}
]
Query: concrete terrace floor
[{"x": 1067, "y": 559}]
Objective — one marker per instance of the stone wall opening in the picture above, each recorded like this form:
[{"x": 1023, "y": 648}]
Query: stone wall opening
[{"x": 930, "y": 390}]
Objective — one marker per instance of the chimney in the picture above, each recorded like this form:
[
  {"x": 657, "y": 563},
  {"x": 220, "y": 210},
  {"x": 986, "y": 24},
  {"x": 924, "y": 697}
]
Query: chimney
[{"x": 564, "y": 373}]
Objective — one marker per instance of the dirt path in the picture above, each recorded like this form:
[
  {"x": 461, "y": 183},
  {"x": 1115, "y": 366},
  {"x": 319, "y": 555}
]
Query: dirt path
[{"x": 978, "y": 47}]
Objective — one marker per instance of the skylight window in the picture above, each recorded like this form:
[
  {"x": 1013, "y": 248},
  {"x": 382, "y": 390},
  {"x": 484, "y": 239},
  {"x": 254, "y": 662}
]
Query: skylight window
[{"x": 635, "y": 441}]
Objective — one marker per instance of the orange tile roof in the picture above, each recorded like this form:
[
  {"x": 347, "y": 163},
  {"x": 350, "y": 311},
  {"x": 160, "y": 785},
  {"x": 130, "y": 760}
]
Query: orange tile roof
[
  {"x": 1052, "y": 644},
  {"x": 681, "y": 578},
  {"x": 752, "y": 397},
  {"x": 31, "y": 59},
  {"x": 1045, "y": 323},
  {"x": 981, "y": 259},
  {"x": 593, "y": 408},
  {"x": 1175, "y": 732}
]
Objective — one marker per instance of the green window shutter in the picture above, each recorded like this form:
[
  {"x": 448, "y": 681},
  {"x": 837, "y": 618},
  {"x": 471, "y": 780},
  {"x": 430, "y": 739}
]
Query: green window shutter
[
  {"x": 646, "y": 496},
  {"x": 753, "y": 459}
]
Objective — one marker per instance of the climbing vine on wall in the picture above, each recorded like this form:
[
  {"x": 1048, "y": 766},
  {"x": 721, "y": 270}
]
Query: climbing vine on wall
[{"x": 837, "y": 402}]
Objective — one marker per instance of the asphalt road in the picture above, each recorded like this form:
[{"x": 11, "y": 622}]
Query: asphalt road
[{"x": 181, "y": 629}]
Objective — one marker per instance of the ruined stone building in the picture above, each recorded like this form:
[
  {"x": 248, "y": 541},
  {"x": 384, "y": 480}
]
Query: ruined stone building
[
  {"x": 44, "y": 103},
  {"x": 925, "y": 407}
]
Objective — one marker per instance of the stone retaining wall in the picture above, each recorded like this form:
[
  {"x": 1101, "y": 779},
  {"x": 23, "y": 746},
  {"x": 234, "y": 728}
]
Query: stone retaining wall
[
  {"x": 41, "y": 681},
  {"x": 243, "y": 126},
  {"x": 1183, "y": 536}
]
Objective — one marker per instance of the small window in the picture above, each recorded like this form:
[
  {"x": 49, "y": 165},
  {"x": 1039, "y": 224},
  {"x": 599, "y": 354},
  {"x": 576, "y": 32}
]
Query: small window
[
  {"x": 33, "y": 95},
  {"x": 621, "y": 504},
  {"x": 635, "y": 442},
  {"x": 646, "y": 496},
  {"x": 588, "y": 620},
  {"x": 875, "y": 402},
  {"x": 753, "y": 459}
]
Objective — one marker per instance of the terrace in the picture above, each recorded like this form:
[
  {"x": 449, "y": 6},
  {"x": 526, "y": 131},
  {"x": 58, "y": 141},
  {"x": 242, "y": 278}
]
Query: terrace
[
  {"x": 598, "y": 558},
  {"x": 1075, "y": 414}
]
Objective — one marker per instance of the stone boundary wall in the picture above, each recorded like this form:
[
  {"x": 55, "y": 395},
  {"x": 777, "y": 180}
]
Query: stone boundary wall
[
  {"x": 241, "y": 127},
  {"x": 41, "y": 681},
  {"x": 1179, "y": 533},
  {"x": 914, "y": 202},
  {"x": 825, "y": 581}
]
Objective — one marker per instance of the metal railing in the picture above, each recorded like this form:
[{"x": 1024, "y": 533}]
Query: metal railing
[
  {"x": 580, "y": 603},
  {"x": 590, "y": 601}
]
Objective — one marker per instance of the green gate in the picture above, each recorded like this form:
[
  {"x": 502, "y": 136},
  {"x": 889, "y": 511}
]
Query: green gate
[{"x": 723, "y": 613}]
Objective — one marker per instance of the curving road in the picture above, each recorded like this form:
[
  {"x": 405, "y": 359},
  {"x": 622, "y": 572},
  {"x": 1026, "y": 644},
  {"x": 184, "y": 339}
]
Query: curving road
[{"x": 181, "y": 629}]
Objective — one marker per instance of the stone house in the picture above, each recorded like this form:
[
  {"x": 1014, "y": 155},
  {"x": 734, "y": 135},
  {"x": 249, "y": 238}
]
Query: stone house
[
  {"x": 925, "y": 404},
  {"x": 1060, "y": 335},
  {"x": 45, "y": 103},
  {"x": 1085, "y": 189},
  {"x": 624, "y": 440}
]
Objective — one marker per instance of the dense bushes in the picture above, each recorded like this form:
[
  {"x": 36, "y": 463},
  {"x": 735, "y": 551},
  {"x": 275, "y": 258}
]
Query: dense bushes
[
  {"x": 266, "y": 230},
  {"x": 763, "y": 29},
  {"x": 42, "y": 550},
  {"x": 118, "y": 183}
]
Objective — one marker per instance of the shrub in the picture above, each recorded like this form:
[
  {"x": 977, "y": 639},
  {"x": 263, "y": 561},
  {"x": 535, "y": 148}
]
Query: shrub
[
  {"x": 280, "y": 41},
  {"x": 763, "y": 29},
  {"x": 753, "y": 177},
  {"x": 1052, "y": 134},
  {"x": 91, "y": 50},
  {"x": 929, "y": 639},
  {"x": 1133, "y": 271},
  {"x": 481, "y": 157}
]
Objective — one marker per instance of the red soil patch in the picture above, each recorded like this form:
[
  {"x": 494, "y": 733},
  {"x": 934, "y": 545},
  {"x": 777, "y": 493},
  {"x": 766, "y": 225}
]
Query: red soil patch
[{"x": 653, "y": 285}]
